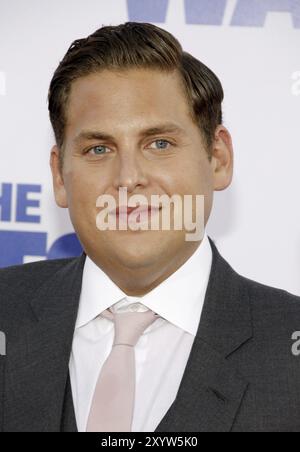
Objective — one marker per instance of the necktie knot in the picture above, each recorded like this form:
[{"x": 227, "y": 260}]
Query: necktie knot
[{"x": 129, "y": 326}]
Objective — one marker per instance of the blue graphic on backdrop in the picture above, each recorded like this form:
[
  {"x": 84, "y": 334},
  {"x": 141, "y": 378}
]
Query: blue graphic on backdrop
[
  {"x": 14, "y": 245},
  {"x": 247, "y": 13}
]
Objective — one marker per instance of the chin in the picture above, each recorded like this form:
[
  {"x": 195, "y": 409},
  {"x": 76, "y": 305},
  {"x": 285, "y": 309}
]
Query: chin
[{"x": 130, "y": 259}]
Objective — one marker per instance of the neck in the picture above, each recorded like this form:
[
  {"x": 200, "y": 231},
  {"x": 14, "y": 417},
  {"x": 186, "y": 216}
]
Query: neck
[{"x": 138, "y": 281}]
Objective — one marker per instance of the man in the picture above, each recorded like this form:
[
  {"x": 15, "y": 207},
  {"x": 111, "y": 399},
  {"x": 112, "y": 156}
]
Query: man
[{"x": 145, "y": 331}]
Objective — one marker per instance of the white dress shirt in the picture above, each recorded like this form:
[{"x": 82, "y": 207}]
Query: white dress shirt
[{"x": 162, "y": 351}]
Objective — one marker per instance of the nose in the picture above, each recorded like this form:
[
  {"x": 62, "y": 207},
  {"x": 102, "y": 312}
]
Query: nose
[{"x": 129, "y": 173}]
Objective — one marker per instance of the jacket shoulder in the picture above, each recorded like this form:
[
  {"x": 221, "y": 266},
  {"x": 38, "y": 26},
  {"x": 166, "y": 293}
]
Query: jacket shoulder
[
  {"x": 274, "y": 311},
  {"x": 28, "y": 277},
  {"x": 261, "y": 295},
  {"x": 268, "y": 297}
]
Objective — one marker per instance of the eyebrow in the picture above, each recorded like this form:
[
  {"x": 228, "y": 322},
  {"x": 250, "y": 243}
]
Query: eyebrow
[{"x": 88, "y": 135}]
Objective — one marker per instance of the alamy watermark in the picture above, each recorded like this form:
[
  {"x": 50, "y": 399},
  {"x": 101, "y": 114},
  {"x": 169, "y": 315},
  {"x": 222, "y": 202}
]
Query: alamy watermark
[
  {"x": 137, "y": 213},
  {"x": 2, "y": 344},
  {"x": 296, "y": 344}
]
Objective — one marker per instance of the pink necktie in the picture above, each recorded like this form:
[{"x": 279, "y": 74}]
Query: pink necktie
[{"x": 113, "y": 400}]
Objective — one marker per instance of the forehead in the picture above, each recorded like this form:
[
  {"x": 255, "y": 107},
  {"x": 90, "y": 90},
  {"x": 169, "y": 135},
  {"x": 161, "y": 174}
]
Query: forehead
[{"x": 118, "y": 96}]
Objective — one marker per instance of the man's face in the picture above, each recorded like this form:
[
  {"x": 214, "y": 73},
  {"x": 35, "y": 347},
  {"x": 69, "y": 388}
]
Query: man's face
[{"x": 123, "y": 105}]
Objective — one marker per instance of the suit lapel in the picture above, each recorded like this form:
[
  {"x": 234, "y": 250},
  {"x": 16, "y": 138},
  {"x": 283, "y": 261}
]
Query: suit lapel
[
  {"x": 210, "y": 394},
  {"x": 38, "y": 356},
  {"x": 211, "y": 390}
]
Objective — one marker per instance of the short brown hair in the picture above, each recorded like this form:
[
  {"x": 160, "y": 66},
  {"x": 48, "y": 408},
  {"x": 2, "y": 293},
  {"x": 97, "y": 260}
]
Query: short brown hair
[{"x": 137, "y": 45}]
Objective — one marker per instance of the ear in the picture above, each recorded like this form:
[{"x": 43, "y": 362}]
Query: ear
[
  {"x": 57, "y": 177},
  {"x": 222, "y": 159}
]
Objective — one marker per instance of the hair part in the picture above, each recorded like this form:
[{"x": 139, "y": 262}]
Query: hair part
[{"x": 136, "y": 45}]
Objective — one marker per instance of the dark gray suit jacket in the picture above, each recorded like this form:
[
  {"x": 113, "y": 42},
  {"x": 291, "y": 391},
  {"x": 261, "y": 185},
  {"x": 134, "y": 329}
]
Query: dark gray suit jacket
[{"x": 241, "y": 375}]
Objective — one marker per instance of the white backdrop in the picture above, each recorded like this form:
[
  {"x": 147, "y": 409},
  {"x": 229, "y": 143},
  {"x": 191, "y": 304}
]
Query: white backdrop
[{"x": 254, "y": 50}]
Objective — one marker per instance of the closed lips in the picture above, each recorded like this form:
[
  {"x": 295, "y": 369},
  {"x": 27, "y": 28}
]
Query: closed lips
[{"x": 127, "y": 210}]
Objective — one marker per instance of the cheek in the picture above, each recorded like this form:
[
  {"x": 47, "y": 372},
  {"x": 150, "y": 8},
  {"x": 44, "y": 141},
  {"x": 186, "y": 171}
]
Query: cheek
[
  {"x": 189, "y": 178},
  {"x": 82, "y": 191},
  {"x": 199, "y": 176}
]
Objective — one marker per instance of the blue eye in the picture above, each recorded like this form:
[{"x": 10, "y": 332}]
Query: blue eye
[
  {"x": 97, "y": 150},
  {"x": 161, "y": 143}
]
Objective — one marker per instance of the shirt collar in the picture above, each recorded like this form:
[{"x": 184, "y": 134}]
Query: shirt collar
[{"x": 178, "y": 299}]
